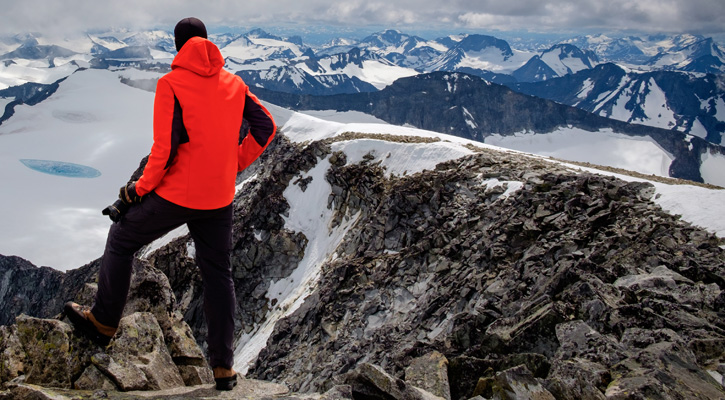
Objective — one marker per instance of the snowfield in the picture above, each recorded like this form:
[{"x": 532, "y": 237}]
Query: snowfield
[
  {"x": 604, "y": 148},
  {"x": 92, "y": 120}
]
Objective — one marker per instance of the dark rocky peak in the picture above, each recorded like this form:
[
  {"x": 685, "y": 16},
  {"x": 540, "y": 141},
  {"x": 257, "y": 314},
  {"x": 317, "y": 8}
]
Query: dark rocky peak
[
  {"x": 624, "y": 50},
  {"x": 262, "y": 34},
  {"x": 703, "y": 56},
  {"x": 34, "y": 51},
  {"x": 243, "y": 39},
  {"x": 109, "y": 39},
  {"x": 677, "y": 42},
  {"x": 482, "y": 42},
  {"x": 161, "y": 40},
  {"x": 309, "y": 53},
  {"x": 355, "y": 56},
  {"x": 296, "y": 39},
  {"x": 705, "y": 47},
  {"x": 223, "y": 39},
  {"x": 128, "y": 52},
  {"x": 538, "y": 70},
  {"x": 571, "y": 51},
  {"x": 449, "y": 41},
  {"x": 24, "y": 39},
  {"x": 535, "y": 70},
  {"x": 390, "y": 37}
]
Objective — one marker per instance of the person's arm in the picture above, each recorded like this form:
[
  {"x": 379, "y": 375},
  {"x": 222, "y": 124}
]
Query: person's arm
[
  {"x": 262, "y": 130},
  {"x": 161, "y": 150}
]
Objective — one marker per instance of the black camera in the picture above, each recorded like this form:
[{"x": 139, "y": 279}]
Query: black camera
[{"x": 116, "y": 210}]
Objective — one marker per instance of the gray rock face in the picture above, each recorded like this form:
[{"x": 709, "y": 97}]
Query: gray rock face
[
  {"x": 139, "y": 344},
  {"x": 430, "y": 372},
  {"x": 151, "y": 348},
  {"x": 505, "y": 262}
]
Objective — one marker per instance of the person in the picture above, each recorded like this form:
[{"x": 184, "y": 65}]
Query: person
[{"x": 198, "y": 149}]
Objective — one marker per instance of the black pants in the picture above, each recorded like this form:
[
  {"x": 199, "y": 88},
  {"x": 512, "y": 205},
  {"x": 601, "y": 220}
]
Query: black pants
[{"x": 211, "y": 231}]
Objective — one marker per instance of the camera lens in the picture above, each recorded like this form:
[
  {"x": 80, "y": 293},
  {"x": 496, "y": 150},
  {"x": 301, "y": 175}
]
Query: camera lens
[{"x": 116, "y": 210}]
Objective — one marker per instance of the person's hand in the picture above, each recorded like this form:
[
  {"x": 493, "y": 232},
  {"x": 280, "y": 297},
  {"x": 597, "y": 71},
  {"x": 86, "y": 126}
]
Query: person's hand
[{"x": 128, "y": 194}]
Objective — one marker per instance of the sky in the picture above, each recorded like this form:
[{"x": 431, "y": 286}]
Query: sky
[{"x": 49, "y": 17}]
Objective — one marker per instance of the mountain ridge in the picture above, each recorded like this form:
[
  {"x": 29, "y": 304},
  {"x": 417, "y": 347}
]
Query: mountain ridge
[
  {"x": 437, "y": 101},
  {"x": 692, "y": 101}
]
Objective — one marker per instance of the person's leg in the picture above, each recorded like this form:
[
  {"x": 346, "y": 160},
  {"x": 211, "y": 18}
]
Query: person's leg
[
  {"x": 212, "y": 234},
  {"x": 142, "y": 224}
]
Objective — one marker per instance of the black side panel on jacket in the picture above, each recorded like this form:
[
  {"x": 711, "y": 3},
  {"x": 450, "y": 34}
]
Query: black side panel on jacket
[
  {"x": 178, "y": 132},
  {"x": 261, "y": 126}
]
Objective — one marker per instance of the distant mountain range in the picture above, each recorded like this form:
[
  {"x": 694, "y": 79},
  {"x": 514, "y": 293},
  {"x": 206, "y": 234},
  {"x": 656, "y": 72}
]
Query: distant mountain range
[
  {"x": 673, "y": 83},
  {"x": 665, "y": 99},
  {"x": 470, "y": 107}
]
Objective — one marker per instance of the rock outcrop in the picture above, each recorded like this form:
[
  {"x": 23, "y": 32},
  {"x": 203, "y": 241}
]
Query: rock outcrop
[
  {"x": 495, "y": 275},
  {"x": 522, "y": 275},
  {"x": 154, "y": 349}
]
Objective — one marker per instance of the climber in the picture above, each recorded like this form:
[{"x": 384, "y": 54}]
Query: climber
[{"x": 189, "y": 179}]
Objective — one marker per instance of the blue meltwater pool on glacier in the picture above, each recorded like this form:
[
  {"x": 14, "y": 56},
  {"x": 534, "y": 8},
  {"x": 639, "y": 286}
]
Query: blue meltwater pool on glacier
[{"x": 60, "y": 168}]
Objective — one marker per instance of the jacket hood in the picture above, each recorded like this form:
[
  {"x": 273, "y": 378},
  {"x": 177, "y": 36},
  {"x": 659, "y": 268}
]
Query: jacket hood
[{"x": 200, "y": 56}]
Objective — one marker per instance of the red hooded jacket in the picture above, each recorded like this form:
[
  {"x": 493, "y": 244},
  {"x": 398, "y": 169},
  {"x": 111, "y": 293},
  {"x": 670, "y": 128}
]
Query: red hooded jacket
[{"x": 198, "y": 144}]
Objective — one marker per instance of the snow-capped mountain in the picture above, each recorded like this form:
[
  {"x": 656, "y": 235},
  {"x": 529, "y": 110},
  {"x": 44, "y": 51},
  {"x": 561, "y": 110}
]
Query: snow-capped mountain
[
  {"x": 632, "y": 50},
  {"x": 352, "y": 72},
  {"x": 258, "y": 45},
  {"x": 704, "y": 56},
  {"x": 294, "y": 79},
  {"x": 402, "y": 49},
  {"x": 35, "y": 51},
  {"x": 157, "y": 39},
  {"x": 481, "y": 55},
  {"x": 559, "y": 60},
  {"x": 665, "y": 99},
  {"x": 363, "y": 64}
]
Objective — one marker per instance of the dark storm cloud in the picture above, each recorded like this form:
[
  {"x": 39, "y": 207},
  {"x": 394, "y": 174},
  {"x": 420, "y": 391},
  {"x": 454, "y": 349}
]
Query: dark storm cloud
[{"x": 695, "y": 16}]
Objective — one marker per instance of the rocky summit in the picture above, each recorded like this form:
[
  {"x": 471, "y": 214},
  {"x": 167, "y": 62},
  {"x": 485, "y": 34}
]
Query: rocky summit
[{"x": 494, "y": 275}]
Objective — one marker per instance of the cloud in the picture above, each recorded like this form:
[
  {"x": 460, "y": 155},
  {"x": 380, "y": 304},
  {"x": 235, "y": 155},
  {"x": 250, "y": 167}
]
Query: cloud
[{"x": 667, "y": 16}]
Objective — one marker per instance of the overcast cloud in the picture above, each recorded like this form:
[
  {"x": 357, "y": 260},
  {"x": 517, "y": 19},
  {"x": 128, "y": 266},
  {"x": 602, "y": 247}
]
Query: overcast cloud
[{"x": 552, "y": 16}]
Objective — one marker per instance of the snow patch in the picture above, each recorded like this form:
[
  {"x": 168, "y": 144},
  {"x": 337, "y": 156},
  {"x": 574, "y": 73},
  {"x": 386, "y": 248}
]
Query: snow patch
[
  {"x": 587, "y": 87},
  {"x": 698, "y": 129},
  {"x": 311, "y": 217},
  {"x": 409, "y": 158},
  {"x": 511, "y": 186},
  {"x": 604, "y": 148},
  {"x": 712, "y": 169},
  {"x": 655, "y": 107},
  {"x": 190, "y": 249},
  {"x": 164, "y": 240}
]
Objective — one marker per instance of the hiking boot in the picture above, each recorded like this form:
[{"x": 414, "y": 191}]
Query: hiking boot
[
  {"x": 225, "y": 378},
  {"x": 86, "y": 323}
]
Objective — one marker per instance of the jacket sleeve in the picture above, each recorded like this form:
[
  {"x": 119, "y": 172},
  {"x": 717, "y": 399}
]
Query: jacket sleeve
[
  {"x": 161, "y": 148},
  {"x": 262, "y": 130}
]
